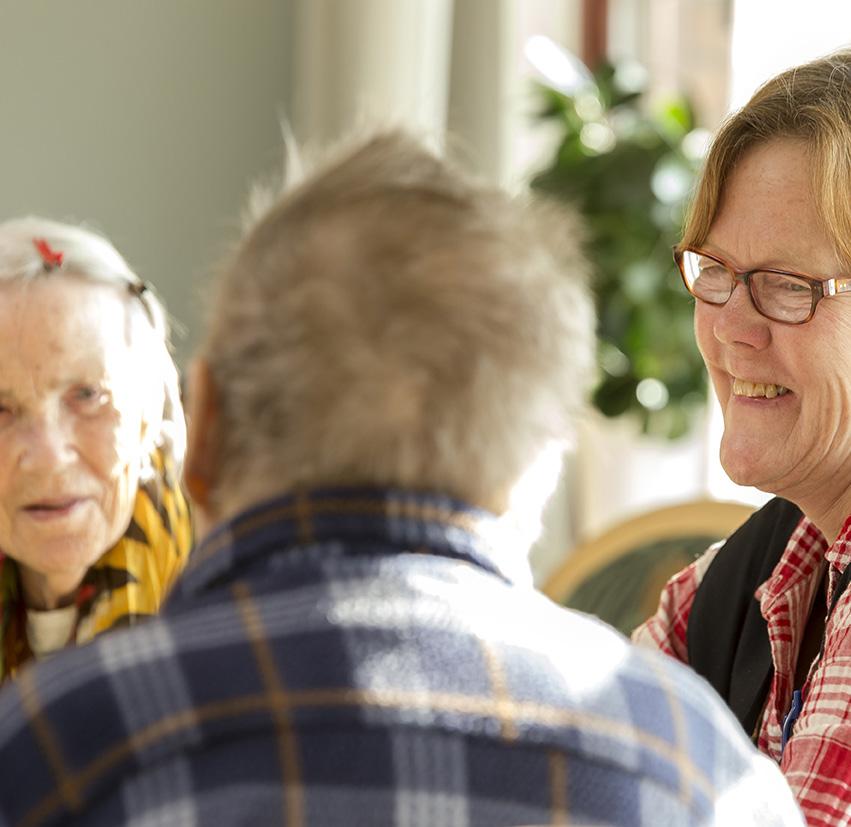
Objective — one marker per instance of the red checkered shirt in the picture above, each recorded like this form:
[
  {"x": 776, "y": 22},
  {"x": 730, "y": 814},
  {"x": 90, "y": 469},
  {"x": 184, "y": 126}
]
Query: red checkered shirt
[{"x": 817, "y": 759}]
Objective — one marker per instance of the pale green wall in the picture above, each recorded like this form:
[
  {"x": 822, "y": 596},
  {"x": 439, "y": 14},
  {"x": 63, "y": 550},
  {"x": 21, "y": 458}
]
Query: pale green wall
[{"x": 147, "y": 118}]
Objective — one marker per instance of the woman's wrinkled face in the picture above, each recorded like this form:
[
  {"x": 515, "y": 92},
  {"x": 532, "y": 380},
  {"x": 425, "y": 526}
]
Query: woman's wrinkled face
[
  {"x": 71, "y": 424},
  {"x": 796, "y": 444}
]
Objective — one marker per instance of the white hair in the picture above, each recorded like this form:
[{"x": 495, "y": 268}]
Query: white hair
[
  {"x": 91, "y": 257},
  {"x": 389, "y": 320}
]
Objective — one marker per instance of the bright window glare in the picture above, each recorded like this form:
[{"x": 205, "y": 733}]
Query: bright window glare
[
  {"x": 772, "y": 35},
  {"x": 561, "y": 69},
  {"x": 517, "y": 530}
]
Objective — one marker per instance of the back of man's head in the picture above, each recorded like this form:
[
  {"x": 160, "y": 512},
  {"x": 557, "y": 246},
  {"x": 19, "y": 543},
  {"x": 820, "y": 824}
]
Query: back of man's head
[{"x": 390, "y": 321}]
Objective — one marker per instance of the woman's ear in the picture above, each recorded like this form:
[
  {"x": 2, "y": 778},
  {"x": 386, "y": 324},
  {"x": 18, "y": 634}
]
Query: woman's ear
[{"x": 200, "y": 467}]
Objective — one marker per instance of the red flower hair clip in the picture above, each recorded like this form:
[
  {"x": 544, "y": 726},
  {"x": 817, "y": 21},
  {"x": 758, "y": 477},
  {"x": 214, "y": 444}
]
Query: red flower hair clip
[{"x": 50, "y": 258}]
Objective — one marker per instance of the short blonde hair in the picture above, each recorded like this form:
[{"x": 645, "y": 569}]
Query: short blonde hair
[
  {"x": 89, "y": 256},
  {"x": 391, "y": 321},
  {"x": 812, "y": 103}
]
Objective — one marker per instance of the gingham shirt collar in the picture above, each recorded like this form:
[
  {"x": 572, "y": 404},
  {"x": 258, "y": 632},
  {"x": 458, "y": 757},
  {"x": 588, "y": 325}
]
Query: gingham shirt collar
[
  {"x": 805, "y": 551},
  {"x": 839, "y": 554}
]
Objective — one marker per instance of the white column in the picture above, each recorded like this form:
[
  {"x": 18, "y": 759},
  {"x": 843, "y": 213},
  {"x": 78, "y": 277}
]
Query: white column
[
  {"x": 369, "y": 61},
  {"x": 483, "y": 93}
]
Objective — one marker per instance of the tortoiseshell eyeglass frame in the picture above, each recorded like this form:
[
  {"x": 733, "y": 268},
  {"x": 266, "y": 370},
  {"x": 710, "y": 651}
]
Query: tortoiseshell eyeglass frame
[{"x": 819, "y": 288}]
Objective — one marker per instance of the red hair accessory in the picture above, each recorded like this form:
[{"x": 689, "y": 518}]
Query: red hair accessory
[{"x": 50, "y": 258}]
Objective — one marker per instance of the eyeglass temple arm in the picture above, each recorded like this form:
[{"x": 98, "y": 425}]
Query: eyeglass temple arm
[{"x": 833, "y": 286}]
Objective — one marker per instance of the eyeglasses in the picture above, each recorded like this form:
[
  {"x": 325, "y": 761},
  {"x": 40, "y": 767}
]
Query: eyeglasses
[{"x": 778, "y": 295}]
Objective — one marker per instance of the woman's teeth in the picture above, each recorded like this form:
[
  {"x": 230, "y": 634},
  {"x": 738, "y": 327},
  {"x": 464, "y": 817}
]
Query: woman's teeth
[{"x": 757, "y": 389}]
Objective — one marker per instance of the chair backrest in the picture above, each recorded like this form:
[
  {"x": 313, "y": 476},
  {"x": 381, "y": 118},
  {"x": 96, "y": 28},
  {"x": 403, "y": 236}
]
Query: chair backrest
[{"x": 619, "y": 575}]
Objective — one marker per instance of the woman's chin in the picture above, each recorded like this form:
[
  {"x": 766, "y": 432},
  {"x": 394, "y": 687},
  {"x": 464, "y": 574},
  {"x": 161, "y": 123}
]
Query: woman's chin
[
  {"x": 61, "y": 556},
  {"x": 744, "y": 466}
]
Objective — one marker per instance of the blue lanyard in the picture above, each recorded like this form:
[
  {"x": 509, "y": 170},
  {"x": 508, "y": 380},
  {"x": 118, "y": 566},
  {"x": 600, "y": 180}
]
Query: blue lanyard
[{"x": 791, "y": 717}]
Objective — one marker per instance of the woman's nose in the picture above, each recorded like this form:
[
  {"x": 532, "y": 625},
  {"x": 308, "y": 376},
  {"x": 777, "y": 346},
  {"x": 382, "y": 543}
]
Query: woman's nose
[
  {"x": 739, "y": 322},
  {"x": 46, "y": 443}
]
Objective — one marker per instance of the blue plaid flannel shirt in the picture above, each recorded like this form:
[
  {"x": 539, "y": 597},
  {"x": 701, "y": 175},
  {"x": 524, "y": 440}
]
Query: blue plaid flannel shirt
[{"x": 360, "y": 658}]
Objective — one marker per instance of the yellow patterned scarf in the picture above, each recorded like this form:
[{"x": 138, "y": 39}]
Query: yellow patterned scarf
[{"x": 129, "y": 582}]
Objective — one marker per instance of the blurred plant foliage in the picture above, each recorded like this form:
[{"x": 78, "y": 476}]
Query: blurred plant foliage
[{"x": 630, "y": 170}]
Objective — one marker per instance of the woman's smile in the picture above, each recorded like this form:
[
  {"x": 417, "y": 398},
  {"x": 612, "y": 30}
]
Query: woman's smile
[{"x": 758, "y": 390}]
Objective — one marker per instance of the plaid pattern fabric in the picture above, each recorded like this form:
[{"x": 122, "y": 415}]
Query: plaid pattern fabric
[
  {"x": 361, "y": 658},
  {"x": 817, "y": 759}
]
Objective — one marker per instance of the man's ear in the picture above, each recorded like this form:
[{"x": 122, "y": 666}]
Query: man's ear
[{"x": 200, "y": 468}]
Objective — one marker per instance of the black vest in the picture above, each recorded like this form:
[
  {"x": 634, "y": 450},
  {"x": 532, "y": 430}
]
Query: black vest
[{"x": 727, "y": 636}]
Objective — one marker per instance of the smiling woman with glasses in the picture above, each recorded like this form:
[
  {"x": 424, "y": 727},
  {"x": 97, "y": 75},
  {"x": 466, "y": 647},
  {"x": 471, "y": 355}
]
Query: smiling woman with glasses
[{"x": 767, "y": 618}]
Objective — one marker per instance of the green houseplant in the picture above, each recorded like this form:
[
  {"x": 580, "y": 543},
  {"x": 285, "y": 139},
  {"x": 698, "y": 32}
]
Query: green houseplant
[{"x": 629, "y": 169}]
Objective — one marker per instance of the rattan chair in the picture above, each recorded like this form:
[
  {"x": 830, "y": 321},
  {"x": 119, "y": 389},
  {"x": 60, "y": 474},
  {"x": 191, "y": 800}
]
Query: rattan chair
[{"x": 619, "y": 575}]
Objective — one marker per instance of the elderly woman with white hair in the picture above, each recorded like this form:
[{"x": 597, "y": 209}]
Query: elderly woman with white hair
[{"x": 93, "y": 525}]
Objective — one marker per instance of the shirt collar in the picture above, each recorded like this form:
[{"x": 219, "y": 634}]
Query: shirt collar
[
  {"x": 839, "y": 554},
  {"x": 803, "y": 555},
  {"x": 389, "y": 519}
]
